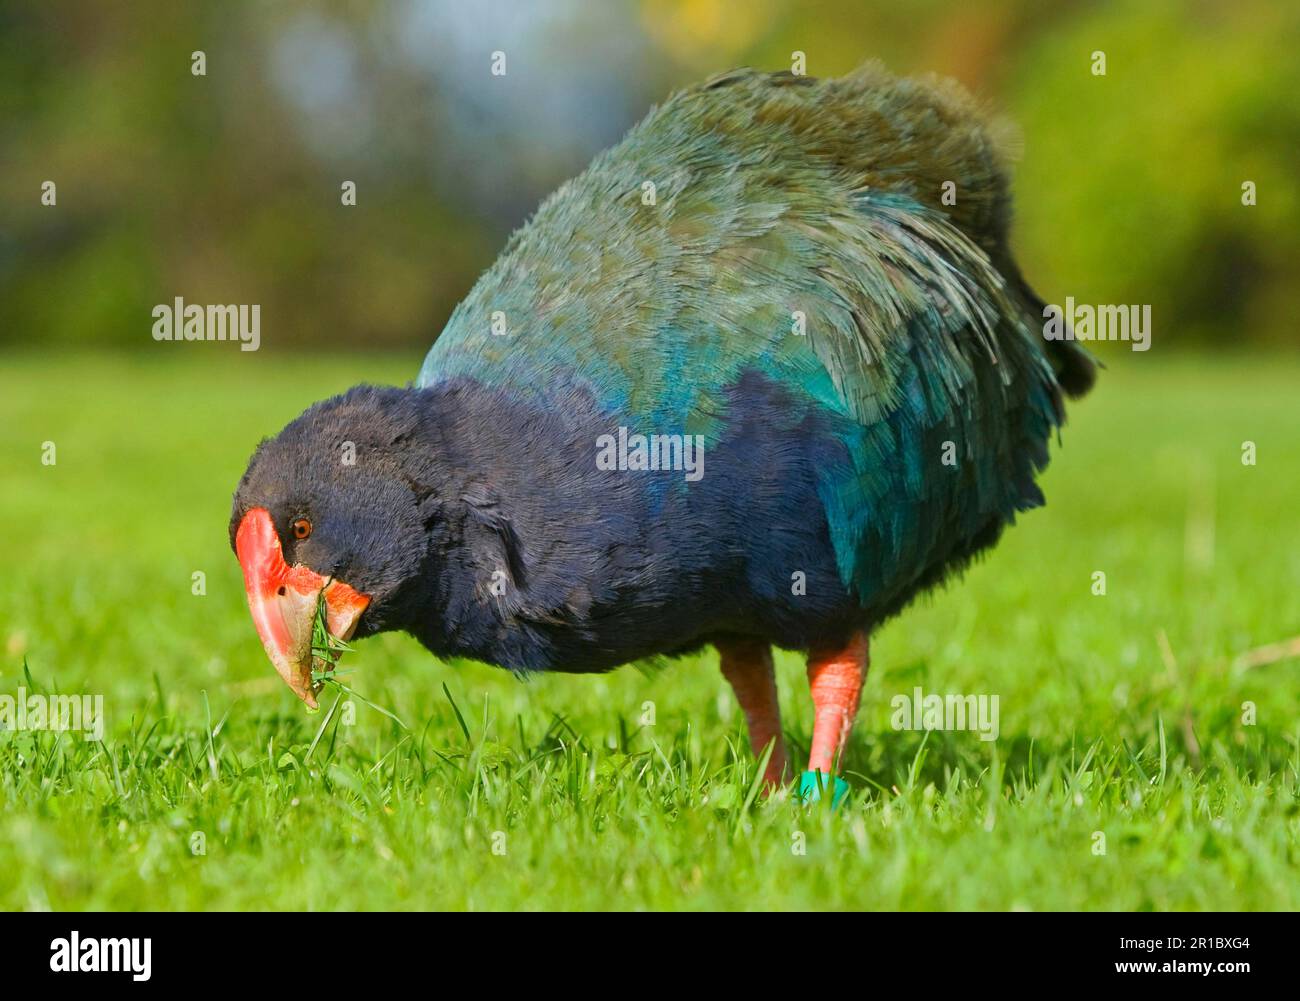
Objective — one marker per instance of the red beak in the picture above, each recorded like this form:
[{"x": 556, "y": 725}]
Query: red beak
[{"x": 283, "y": 600}]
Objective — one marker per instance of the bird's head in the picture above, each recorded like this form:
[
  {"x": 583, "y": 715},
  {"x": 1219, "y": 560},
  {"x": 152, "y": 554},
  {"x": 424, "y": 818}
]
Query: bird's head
[{"x": 325, "y": 509}]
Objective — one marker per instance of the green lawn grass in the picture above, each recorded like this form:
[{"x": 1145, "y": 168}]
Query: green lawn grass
[{"x": 1120, "y": 714}]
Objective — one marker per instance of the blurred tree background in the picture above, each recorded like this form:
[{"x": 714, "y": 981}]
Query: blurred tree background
[{"x": 226, "y": 187}]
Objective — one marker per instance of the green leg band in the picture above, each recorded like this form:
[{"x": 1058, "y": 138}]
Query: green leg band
[{"x": 811, "y": 785}]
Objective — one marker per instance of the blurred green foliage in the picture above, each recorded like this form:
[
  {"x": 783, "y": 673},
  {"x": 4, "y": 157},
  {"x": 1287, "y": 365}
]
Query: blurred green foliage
[{"x": 226, "y": 187}]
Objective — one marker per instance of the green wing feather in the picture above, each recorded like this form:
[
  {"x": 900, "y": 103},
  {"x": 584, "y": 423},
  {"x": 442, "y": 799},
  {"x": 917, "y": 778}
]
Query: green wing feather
[{"x": 776, "y": 197}]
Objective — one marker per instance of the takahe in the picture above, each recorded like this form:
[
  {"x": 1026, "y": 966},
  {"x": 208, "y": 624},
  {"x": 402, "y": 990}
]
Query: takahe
[{"x": 760, "y": 375}]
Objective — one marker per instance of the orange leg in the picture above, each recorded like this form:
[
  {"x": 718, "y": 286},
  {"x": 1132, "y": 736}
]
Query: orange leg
[
  {"x": 747, "y": 664},
  {"x": 835, "y": 677}
]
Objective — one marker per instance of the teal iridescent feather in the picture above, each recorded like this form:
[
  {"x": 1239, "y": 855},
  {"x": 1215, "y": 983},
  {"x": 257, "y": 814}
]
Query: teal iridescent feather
[{"x": 798, "y": 228}]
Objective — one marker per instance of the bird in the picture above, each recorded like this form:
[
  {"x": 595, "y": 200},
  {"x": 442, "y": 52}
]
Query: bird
[{"x": 758, "y": 377}]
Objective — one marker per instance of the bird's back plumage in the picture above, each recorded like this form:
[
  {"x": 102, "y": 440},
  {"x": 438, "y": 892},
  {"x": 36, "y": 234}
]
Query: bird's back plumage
[{"x": 780, "y": 243}]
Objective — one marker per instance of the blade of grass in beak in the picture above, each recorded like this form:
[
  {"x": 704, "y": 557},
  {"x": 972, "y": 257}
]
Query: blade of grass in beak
[
  {"x": 323, "y": 724},
  {"x": 361, "y": 698}
]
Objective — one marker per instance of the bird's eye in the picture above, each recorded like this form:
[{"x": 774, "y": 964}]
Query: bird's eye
[{"x": 301, "y": 528}]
